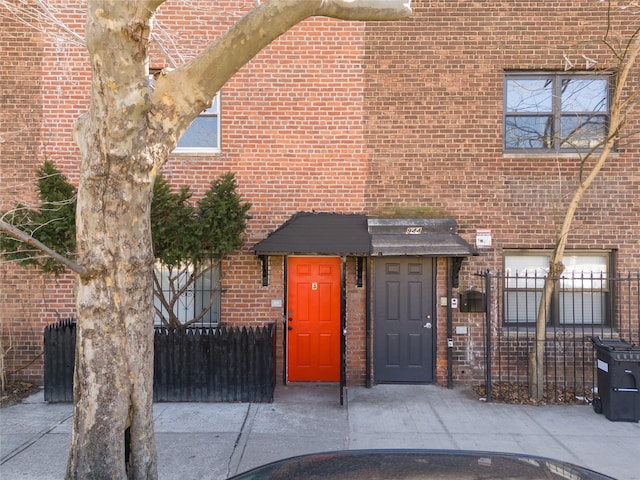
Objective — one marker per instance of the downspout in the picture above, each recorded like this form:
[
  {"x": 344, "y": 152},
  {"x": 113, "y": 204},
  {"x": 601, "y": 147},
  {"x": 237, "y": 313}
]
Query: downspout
[
  {"x": 367, "y": 327},
  {"x": 488, "y": 331},
  {"x": 285, "y": 335},
  {"x": 343, "y": 328},
  {"x": 449, "y": 323}
]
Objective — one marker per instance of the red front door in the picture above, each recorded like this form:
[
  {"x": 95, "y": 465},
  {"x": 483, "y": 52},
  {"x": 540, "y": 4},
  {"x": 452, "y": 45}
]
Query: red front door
[{"x": 313, "y": 319}]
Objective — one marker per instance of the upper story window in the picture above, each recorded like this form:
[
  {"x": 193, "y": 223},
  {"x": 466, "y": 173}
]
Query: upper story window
[
  {"x": 555, "y": 112},
  {"x": 582, "y": 296},
  {"x": 203, "y": 135}
]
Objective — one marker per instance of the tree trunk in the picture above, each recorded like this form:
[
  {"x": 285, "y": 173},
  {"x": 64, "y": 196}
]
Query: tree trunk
[
  {"x": 113, "y": 390},
  {"x": 536, "y": 357},
  {"x": 113, "y": 382},
  {"x": 125, "y": 138}
]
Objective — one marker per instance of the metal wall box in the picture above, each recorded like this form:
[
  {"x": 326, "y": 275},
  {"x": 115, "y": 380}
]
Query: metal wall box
[{"x": 472, "y": 301}]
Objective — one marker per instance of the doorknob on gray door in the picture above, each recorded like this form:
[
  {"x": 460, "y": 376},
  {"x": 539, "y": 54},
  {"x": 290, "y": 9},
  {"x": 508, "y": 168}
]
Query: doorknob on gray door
[{"x": 427, "y": 325}]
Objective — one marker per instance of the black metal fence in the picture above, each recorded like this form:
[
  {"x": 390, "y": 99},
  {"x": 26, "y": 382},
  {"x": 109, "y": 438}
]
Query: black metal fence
[
  {"x": 582, "y": 307},
  {"x": 191, "y": 365}
]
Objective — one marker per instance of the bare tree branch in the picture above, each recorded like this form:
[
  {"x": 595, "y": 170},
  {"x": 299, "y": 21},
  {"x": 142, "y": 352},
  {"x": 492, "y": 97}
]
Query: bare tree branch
[
  {"x": 151, "y": 5},
  {"x": 29, "y": 240},
  {"x": 36, "y": 13},
  {"x": 194, "y": 85}
]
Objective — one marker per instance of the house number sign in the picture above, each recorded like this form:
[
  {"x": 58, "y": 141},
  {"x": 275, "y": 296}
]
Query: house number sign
[
  {"x": 414, "y": 230},
  {"x": 314, "y": 286}
]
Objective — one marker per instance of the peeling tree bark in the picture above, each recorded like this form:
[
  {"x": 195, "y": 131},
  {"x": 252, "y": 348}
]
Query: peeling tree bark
[
  {"x": 124, "y": 139},
  {"x": 113, "y": 391}
]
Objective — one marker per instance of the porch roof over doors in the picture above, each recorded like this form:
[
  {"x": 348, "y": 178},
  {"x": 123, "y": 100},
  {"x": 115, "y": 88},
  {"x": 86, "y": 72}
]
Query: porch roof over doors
[
  {"x": 307, "y": 233},
  {"x": 310, "y": 233},
  {"x": 417, "y": 237}
]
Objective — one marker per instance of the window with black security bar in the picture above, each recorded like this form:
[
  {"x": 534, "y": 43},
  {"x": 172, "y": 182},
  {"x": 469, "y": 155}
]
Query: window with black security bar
[
  {"x": 555, "y": 112},
  {"x": 589, "y": 305},
  {"x": 583, "y": 295},
  {"x": 187, "y": 296}
]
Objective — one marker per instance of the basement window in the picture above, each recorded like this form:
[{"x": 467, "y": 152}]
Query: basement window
[
  {"x": 582, "y": 295},
  {"x": 191, "y": 293}
]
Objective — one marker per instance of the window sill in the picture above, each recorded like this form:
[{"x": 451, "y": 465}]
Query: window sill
[
  {"x": 569, "y": 155},
  {"x": 196, "y": 152},
  {"x": 602, "y": 331}
]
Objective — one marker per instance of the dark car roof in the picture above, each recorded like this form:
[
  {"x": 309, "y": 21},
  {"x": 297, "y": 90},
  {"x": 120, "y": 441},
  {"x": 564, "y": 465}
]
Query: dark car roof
[{"x": 418, "y": 465}]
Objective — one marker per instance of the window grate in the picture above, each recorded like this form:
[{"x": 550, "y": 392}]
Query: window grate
[{"x": 187, "y": 296}]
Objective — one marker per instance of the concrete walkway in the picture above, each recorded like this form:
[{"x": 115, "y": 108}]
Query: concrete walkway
[{"x": 214, "y": 441}]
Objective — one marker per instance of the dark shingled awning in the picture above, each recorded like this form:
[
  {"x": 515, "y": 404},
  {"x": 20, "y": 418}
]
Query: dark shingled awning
[
  {"x": 308, "y": 233},
  {"x": 417, "y": 237}
]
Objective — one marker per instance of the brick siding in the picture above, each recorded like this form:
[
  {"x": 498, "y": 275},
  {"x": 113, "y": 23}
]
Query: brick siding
[{"x": 342, "y": 117}]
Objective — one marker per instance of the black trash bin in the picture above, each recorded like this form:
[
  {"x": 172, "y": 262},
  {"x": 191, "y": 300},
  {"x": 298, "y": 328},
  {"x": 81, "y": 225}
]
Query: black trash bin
[{"x": 618, "y": 378}]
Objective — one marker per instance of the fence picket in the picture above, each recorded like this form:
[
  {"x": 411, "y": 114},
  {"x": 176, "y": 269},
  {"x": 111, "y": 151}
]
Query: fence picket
[{"x": 59, "y": 353}]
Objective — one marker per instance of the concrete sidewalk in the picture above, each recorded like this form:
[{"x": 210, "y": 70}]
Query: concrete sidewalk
[{"x": 214, "y": 441}]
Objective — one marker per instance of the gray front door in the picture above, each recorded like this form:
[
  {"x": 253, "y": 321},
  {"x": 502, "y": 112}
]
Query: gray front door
[{"x": 404, "y": 319}]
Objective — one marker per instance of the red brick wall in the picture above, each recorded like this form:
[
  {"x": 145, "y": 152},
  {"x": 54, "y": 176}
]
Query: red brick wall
[
  {"x": 291, "y": 130},
  {"x": 343, "y": 117},
  {"x": 433, "y": 113},
  {"x": 356, "y": 324},
  {"x": 21, "y": 290},
  {"x": 44, "y": 90}
]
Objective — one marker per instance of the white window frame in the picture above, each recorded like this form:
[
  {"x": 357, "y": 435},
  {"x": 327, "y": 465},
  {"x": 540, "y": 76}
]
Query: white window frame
[{"x": 211, "y": 112}]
